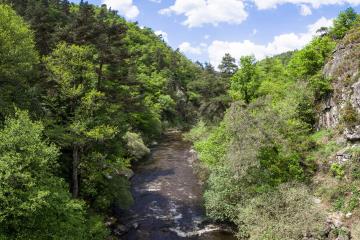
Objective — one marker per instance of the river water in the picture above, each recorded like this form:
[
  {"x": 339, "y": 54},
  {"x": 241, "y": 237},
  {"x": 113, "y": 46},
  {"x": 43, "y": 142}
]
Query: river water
[{"x": 168, "y": 197}]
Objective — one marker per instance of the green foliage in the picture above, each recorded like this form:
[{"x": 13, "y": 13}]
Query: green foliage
[
  {"x": 343, "y": 23},
  {"x": 209, "y": 91},
  {"x": 245, "y": 82},
  {"x": 320, "y": 85},
  {"x": 308, "y": 61},
  {"x": 324, "y": 146},
  {"x": 286, "y": 213},
  {"x": 199, "y": 132},
  {"x": 249, "y": 154},
  {"x": 44, "y": 209},
  {"x": 350, "y": 116},
  {"x": 135, "y": 145},
  {"x": 18, "y": 61},
  {"x": 345, "y": 197},
  {"x": 213, "y": 149},
  {"x": 228, "y": 65},
  {"x": 264, "y": 143},
  {"x": 71, "y": 69},
  {"x": 222, "y": 194},
  {"x": 337, "y": 170},
  {"x": 106, "y": 87}
]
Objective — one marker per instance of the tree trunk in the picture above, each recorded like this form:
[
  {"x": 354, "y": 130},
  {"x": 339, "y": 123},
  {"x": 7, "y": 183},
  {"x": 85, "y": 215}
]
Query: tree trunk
[{"x": 75, "y": 177}]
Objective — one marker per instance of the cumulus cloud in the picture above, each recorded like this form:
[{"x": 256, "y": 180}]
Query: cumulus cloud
[
  {"x": 213, "y": 12},
  {"x": 187, "y": 48},
  {"x": 305, "y": 10},
  {"x": 267, "y": 4},
  {"x": 124, "y": 7},
  {"x": 281, "y": 43},
  {"x": 162, "y": 34},
  {"x": 322, "y": 22}
]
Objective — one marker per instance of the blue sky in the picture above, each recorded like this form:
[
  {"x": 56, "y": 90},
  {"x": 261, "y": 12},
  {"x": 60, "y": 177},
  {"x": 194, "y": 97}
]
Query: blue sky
[{"x": 205, "y": 30}]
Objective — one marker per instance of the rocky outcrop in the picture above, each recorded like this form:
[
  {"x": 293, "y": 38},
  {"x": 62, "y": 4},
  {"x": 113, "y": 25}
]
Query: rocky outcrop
[
  {"x": 329, "y": 116},
  {"x": 343, "y": 70}
]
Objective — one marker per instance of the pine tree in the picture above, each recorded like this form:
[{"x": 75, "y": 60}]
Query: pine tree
[{"x": 228, "y": 66}]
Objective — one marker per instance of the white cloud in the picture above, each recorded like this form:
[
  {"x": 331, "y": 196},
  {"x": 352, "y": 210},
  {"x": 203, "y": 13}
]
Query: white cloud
[
  {"x": 281, "y": 43},
  {"x": 322, "y": 22},
  {"x": 187, "y": 48},
  {"x": 125, "y": 7},
  {"x": 305, "y": 10},
  {"x": 206, "y": 37},
  {"x": 163, "y": 34},
  {"x": 254, "y": 32},
  {"x": 267, "y": 4},
  {"x": 155, "y": 1},
  {"x": 200, "y": 12}
]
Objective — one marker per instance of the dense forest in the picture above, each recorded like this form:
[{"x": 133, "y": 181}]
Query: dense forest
[{"x": 84, "y": 93}]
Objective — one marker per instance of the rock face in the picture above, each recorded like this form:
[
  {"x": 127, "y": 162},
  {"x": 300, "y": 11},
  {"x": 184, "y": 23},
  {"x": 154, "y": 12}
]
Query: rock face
[{"x": 343, "y": 70}]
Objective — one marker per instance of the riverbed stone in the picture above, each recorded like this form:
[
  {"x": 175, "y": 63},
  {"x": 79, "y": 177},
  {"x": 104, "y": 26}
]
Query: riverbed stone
[{"x": 120, "y": 230}]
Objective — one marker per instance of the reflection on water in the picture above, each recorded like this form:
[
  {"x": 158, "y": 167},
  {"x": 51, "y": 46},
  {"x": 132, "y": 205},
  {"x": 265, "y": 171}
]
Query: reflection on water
[{"x": 167, "y": 194}]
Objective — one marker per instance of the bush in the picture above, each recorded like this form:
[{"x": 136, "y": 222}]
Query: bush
[
  {"x": 213, "y": 149},
  {"x": 320, "y": 85},
  {"x": 345, "y": 197},
  {"x": 337, "y": 170},
  {"x": 197, "y": 133},
  {"x": 135, "y": 145},
  {"x": 350, "y": 116},
  {"x": 285, "y": 214},
  {"x": 223, "y": 193}
]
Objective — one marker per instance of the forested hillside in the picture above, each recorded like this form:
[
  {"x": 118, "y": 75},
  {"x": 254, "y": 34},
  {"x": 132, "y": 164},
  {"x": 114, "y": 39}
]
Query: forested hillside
[
  {"x": 83, "y": 93},
  {"x": 277, "y": 165}
]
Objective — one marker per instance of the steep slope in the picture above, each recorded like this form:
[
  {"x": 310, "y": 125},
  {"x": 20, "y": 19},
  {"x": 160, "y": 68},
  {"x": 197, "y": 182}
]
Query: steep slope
[
  {"x": 337, "y": 181},
  {"x": 342, "y": 106}
]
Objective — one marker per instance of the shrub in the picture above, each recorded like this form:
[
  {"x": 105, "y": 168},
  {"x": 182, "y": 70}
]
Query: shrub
[
  {"x": 223, "y": 193},
  {"x": 337, "y": 170},
  {"x": 135, "y": 145},
  {"x": 320, "y": 85},
  {"x": 287, "y": 213},
  {"x": 213, "y": 149},
  {"x": 350, "y": 116},
  {"x": 197, "y": 133}
]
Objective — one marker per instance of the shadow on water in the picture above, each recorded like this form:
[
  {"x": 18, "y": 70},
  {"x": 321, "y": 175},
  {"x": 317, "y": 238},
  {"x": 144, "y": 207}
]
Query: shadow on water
[{"x": 168, "y": 197}]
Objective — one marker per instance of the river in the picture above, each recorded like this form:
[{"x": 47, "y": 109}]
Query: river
[{"x": 168, "y": 197}]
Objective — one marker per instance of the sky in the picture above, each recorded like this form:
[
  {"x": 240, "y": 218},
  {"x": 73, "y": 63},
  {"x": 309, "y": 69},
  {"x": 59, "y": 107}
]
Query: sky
[{"x": 204, "y": 30}]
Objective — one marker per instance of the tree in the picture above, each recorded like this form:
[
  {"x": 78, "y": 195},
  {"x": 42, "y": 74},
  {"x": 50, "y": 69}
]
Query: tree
[
  {"x": 45, "y": 18},
  {"x": 18, "y": 59},
  {"x": 307, "y": 63},
  {"x": 74, "y": 102},
  {"x": 344, "y": 22},
  {"x": 228, "y": 66},
  {"x": 245, "y": 82},
  {"x": 34, "y": 203},
  {"x": 210, "y": 93}
]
